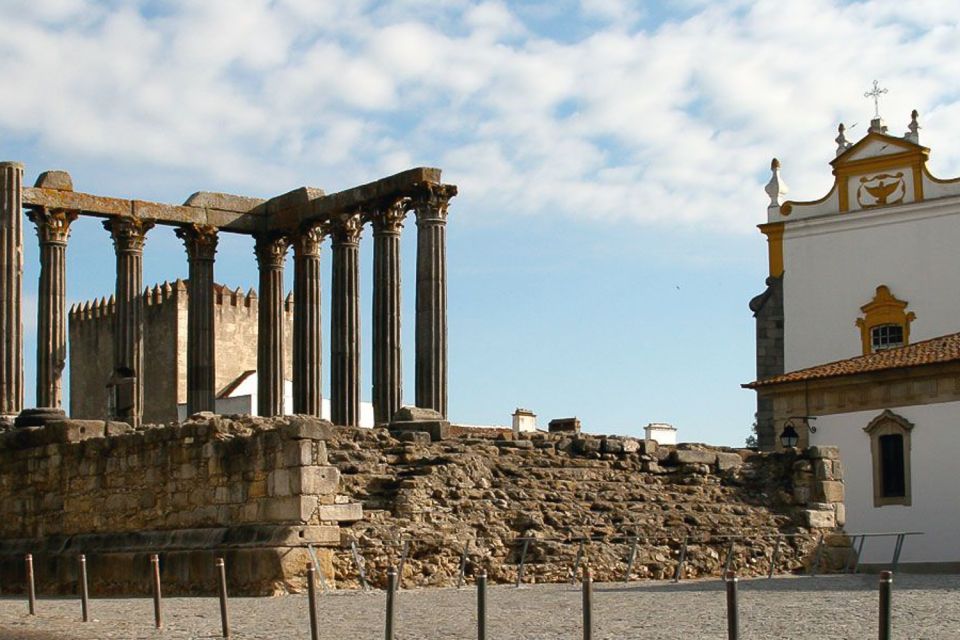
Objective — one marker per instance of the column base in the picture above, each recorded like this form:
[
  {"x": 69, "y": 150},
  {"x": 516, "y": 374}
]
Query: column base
[
  {"x": 39, "y": 416},
  {"x": 6, "y": 421}
]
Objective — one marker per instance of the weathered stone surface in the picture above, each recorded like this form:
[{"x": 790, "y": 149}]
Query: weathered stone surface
[
  {"x": 727, "y": 461},
  {"x": 821, "y": 452},
  {"x": 38, "y": 417},
  {"x": 315, "y": 480},
  {"x": 438, "y": 429},
  {"x": 693, "y": 456},
  {"x": 308, "y": 428},
  {"x": 416, "y": 437},
  {"x": 341, "y": 512},
  {"x": 416, "y": 414},
  {"x": 817, "y": 519},
  {"x": 564, "y": 425},
  {"x": 225, "y": 201},
  {"x": 59, "y": 180},
  {"x": 829, "y": 491}
]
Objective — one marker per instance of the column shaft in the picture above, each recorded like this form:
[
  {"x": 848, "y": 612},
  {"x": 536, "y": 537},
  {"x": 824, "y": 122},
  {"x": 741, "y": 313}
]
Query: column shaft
[
  {"x": 307, "y": 332},
  {"x": 431, "y": 328},
  {"x": 271, "y": 252},
  {"x": 129, "y": 235},
  {"x": 201, "y": 244},
  {"x": 11, "y": 289},
  {"x": 387, "y": 361},
  {"x": 53, "y": 230},
  {"x": 345, "y": 323}
]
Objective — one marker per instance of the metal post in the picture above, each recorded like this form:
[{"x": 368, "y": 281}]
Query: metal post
[
  {"x": 316, "y": 563},
  {"x": 683, "y": 558},
  {"x": 733, "y": 616},
  {"x": 856, "y": 559},
  {"x": 775, "y": 557},
  {"x": 482, "y": 605},
  {"x": 404, "y": 549},
  {"x": 155, "y": 562},
  {"x": 359, "y": 564},
  {"x": 576, "y": 563},
  {"x": 84, "y": 593},
  {"x": 391, "y": 602},
  {"x": 31, "y": 589},
  {"x": 523, "y": 558},
  {"x": 630, "y": 560},
  {"x": 729, "y": 560},
  {"x": 463, "y": 565},
  {"x": 223, "y": 597},
  {"x": 816, "y": 557},
  {"x": 312, "y": 597},
  {"x": 886, "y": 586},
  {"x": 587, "y": 604}
]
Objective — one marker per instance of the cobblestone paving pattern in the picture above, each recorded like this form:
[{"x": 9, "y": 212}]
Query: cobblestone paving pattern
[{"x": 822, "y": 608}]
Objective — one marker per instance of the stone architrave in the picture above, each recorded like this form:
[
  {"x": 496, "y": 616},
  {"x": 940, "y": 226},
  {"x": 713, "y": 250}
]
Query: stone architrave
[
  {"x": 201, "y": 245},
  {"x": 271, "y": 253},
  {"x": 53, "y": 231},
  {"x": 129, "y": 235},
  {"x": 345, "y": 321},
  {"x": 307, "y": 332},
  {"x": 431, "y": 328},
  {"x": 11, "y": 290},
  {"x": 387, "y": 362}
]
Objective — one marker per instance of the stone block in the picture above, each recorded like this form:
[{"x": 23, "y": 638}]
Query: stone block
[
  {"x": 438, "y": 429},
  {"x": 279, "y": 482},
  {"x": 693, "y": 456},
  {"x": 314, "y": 480},
  {"x": 307, "y": 428},
  {"x": 837, "y": 470},
  {"x": 416, "y": 414},
  {"x": 114, "y": 428},
  {"x": 823, "y": 469},
  {"x": 585, "y": 445},
  {"x": 302, "y": 453},
  {"x": 420, "y": 438},
  {"x": 817, "y": 452},
  {"x": 75, "y": 430},
  {"x": 611, "y": 445},
  {"x": 727, "y": 461},
  {"x": 816, "y": 519},
  {"x": 58, "y": 180},
  {"x": 564, "y": 425},
  {"x": 341, "y": 512},
  {"x": 287, "y": 509},
  {"x": 631, "y": 445},
  {"x": 514, "y": 444},
  {"x": 840, "y": 510},
  {"x": 801, "y": 494},
  {"x": 829, "y": 491}
]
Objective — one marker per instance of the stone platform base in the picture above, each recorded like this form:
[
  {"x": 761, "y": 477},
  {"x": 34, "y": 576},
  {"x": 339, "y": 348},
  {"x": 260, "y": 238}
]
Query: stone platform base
[{"x": 260, "y": 560}]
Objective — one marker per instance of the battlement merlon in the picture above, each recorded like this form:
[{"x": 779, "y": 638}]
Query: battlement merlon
[{"x": 288, "y": 212}]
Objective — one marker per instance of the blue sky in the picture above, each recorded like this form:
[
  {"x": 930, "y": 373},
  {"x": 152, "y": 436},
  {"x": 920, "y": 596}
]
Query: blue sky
[{"x": 610, "y": 155}]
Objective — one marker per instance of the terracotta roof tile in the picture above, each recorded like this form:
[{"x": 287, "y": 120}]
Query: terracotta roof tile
[{"x": 933, "y": 351}]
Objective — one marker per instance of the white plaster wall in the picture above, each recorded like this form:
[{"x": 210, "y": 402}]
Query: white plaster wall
[
  {"x": 935, "y": 508},
  {"x": 834, "y": 264}
]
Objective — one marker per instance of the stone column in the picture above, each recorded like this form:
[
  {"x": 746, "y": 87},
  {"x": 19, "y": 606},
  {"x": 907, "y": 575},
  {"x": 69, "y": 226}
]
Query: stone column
[
  {"x": 201, "y": 244},
  {"x": 431, "y": 329},
  {"x": 271, "y": 252},
  {"x": 307, "y": 332},
  {"x": 345, "y": 322},
  {"x": 387, "y": 365},
  {"x": 129, "y": 235},
  {"x": 53, "y": 230},
  {"x": 11, "y": 290}
]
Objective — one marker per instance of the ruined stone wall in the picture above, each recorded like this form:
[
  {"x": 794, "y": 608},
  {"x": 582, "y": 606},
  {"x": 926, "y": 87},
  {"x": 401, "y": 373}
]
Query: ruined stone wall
[
  {"x": 256, "y": 490},
  {"x": 557, "y": 488}
]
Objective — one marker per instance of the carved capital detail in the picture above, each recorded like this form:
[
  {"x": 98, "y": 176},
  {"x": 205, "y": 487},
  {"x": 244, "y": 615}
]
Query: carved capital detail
[
  {"x": 346, "y": 228},
  {"x": 129, "y": 234},
  {"x": 271, "y": 251},
  {"x": 307, "y": 243},
  {"x": 53, "y": 225},
  {"x": 200, "y": 241},
  {"x": 431, "y": 202},
  {"x": 388, "y": 219}
]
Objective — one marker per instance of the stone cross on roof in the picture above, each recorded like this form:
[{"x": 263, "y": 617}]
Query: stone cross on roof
[{"x": 875, "y": 94}]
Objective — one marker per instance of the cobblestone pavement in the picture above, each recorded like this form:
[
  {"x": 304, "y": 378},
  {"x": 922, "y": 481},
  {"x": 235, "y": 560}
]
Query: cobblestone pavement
[{"x": 824, "y": 608}]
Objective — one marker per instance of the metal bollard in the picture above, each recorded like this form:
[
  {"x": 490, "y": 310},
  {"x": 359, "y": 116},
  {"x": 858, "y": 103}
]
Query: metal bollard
[
  {"x": 155, "y": 562},
  {"x": 84, "y": 593},
  {"x": 391, "y": 603},
  {"x": 587, "y": 604},
  {"x": 482, "y": 605},
  {"x": 886, "y": 585},
  {"x": 733, "y": 616},
  {"x": 31, "y": 590},
  {"x": 312, "y": 593},
  {"x": 225, "y": 622}
]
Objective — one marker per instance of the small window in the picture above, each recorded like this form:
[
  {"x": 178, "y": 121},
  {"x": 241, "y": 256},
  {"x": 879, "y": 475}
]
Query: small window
[
  {"x": 890, "y": 449},
  {"x": 886, "y": 336}
]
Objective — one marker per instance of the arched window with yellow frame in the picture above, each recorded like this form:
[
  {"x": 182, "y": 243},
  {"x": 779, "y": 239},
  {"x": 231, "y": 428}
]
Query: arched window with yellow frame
[{"x": 885, "y": 323}]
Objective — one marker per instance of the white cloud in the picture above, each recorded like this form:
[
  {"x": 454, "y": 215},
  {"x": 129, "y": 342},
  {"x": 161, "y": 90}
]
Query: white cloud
[{"x": 667, "y": 125}]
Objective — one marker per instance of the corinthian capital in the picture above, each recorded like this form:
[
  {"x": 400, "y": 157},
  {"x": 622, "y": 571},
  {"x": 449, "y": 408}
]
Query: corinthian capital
[
  {"x": 271, "y": 251},
  {"x": 307, "y": 243},
  {"x": 346, "y": 228},
  {"x": 53, "y": 225},
  {"x": 389, "y": 218},
  {"x": 431, "y": 202},
  {"x": 200, "y": 241},
  {"x": 128, "y": 233}
]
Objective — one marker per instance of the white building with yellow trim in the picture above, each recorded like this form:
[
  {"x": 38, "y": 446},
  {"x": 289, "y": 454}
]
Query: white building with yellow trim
[{"x": 857, "y": 335}]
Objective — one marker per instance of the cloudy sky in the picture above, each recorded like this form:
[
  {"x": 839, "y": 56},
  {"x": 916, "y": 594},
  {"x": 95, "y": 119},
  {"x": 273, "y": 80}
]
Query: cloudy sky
[{"x": 610, "y": 155}]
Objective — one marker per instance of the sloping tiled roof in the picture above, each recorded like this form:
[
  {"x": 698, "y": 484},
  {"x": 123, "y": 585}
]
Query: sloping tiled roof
[{"x": 933, "y": 351}]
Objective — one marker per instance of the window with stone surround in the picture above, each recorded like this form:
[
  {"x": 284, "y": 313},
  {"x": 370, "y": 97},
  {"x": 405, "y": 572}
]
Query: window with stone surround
[
  {"x": 889, "y": 436},
  {"x": 885, "y": 323},
  {"x": 887, "y": 336}
]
